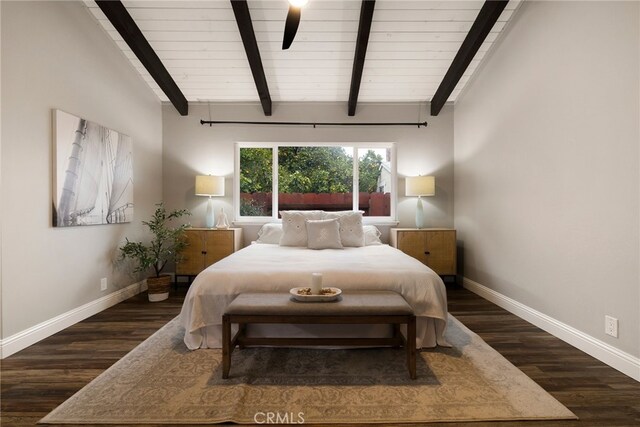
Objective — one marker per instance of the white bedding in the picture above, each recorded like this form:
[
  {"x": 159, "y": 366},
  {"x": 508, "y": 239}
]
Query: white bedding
[{"x": 267, "y": 268}]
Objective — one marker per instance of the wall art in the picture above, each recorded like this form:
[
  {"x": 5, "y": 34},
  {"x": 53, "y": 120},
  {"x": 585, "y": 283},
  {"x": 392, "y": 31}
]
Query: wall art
[{"x": 93, "y": 173}]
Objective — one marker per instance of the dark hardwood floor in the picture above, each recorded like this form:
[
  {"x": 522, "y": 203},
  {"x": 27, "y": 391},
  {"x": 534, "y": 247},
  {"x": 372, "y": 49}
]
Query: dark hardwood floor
[{"x": 39, "y": 378}]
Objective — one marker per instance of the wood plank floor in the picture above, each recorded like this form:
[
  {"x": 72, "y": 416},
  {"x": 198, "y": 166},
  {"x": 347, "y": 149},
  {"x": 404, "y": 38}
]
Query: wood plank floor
[{"x": 39, "y": 378}]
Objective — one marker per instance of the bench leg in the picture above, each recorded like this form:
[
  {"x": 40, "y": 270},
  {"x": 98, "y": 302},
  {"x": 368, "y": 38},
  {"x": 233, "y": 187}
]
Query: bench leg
[
  {"x": 411, "y": 347},
  {"x": 226, "y": 346}
]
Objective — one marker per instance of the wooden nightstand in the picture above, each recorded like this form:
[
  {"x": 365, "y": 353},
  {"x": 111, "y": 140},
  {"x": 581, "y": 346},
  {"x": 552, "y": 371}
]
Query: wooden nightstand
[
  {"x": 434, "y": 247},
  {"x": 207, "y": 246}
]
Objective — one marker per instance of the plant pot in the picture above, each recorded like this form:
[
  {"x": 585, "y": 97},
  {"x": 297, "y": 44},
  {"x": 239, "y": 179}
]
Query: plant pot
[{"x": 158, "y": 287}]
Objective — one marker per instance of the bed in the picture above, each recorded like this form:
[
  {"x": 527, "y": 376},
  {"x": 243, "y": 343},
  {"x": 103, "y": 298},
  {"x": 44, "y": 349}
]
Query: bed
[{"x": 269, "y": 268}]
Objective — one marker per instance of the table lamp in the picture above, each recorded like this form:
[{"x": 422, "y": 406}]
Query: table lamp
[
  {"x": 420, "y": 186},
  {"x": 209, "y": 185}
]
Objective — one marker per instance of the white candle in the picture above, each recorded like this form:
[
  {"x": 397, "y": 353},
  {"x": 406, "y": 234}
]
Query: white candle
[{"x": 316, "y": 283}]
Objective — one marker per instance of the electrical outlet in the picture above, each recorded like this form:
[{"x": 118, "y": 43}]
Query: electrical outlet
[
  {"x": 611, "y": 326},
  {"x": 103, "y": 284}
]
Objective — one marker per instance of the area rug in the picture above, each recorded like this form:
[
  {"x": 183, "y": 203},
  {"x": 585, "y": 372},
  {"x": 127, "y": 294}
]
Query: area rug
[{"x": 161, "y": 382}]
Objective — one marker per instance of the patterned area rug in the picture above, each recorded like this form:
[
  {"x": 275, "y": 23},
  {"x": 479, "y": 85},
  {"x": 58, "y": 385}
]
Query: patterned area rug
[{"x": 161, "y": 382}]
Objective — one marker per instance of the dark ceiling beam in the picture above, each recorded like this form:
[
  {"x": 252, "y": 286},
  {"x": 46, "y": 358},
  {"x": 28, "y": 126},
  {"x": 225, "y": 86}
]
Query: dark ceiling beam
[
  {"x": 126, "y": 26},
  {"x": 245, "y": 26},
  {"x": 364, "y": 28},
  {"x": 483, "y": 24}
]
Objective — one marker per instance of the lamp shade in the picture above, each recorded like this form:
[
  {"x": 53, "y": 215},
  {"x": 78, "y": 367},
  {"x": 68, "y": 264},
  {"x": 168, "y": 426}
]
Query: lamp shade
[
  {"x": 209, "y": 185},
  {"x": 420, "y": 186}
]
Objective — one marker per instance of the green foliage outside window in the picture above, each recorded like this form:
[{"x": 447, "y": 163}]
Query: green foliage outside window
[
  {"x": 314, "y": 170},
  {"x": 306, "y": 170},
  {"x": 252, "y": 208},
  {"x": 255, "y": 170},
  {"x": 369, "y": 169}
]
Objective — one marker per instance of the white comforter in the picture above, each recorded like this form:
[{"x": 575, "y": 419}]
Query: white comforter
[{"x": 267, "y": 268}]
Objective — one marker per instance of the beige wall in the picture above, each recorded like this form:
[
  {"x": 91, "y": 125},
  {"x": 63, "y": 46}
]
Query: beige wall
[
  {"x": 191, "y": 149},
  {"x": 1, "y": 177},
  {"x": 55, "y": 55},
  {"x": 546, "y": 166}
]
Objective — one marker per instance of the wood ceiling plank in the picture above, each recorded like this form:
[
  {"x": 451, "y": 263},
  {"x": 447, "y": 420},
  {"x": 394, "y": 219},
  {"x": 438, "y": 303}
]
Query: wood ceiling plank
[
  {"x": 407, "y": 71},
  {"x": 429, "y": 5},
  {"x": 226, "y": 14},
  {"x": 403, "y": 37},
  {"x": 176, "y": 4},
  {"x": 435, "y": 5},
  {"x": 391, "y": 72},
  {"x": 319, "y": 5},
  {"x": 431, "y": 15},
  {"x": 309, "y": 64},
  {"x": 122, "y": 21},
  {"x": 245, "y": 26},
  {"x": 483, "y": 24},
  {"x": 349, "y": 46},
  {"x": 419, "y": 15},
  {"x": 308, "y": 14},
  {"x": 390, "y": 37},
  {"x": 299, "y": 56},
  {"x": 317, "y": 78},
  {"x": 312, "y": 26},
  {"x": 185, "y": 36},
  {"x": 162, "y": 14}
]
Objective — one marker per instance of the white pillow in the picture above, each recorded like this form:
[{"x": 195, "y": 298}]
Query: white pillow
[
  {"x": 323, "y": 234},
  {"x": 351, "y": 231},
  {"x": 371, "y": 235},
  {"x": 270, "y": 233},
  {"x": 294, "y": 229}
]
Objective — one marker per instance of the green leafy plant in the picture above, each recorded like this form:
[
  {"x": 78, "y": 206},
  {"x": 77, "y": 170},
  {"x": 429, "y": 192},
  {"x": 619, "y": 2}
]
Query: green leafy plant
[
  {"x": 252, "y": 208},
  {"x": 167, "y": 243}
]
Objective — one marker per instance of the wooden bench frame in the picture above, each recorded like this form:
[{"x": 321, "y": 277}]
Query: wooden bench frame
[{"x": 241, "y": 339}]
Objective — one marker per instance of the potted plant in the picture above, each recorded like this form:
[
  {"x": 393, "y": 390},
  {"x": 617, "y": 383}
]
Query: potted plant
[{"x": 166, "y": 245}]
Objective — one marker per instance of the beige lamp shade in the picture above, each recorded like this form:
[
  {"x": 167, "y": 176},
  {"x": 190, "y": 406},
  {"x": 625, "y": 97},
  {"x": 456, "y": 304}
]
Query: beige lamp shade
[
  {"x": 209, "y": 185},
  {"x": 420, "y": 186}
]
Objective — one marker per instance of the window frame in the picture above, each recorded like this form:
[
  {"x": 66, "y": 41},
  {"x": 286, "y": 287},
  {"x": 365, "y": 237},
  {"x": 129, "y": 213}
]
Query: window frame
[{"x": 248, "y": 220}]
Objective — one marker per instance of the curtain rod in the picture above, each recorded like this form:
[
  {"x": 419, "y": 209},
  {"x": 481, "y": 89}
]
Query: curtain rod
[{"x": 314, "y": 124}]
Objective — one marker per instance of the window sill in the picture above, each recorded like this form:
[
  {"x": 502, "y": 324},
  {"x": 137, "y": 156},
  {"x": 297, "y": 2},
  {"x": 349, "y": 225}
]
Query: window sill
[
  {"x": 383, "y": 222},
  {"x": 249, "y": 222}
]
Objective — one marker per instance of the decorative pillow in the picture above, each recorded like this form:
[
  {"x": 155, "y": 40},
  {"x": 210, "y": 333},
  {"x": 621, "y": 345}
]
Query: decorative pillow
[
  {"x": 270, "y": 233},
  {"x": 294, "y": 229},
  {"x": 323, "y": 234},
  {"x": 371, "y": 235},
  {"x": 351, "y": 232}
]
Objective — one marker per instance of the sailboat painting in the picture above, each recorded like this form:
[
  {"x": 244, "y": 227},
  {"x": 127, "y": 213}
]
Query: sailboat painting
[{"x": 93, "y": 173}]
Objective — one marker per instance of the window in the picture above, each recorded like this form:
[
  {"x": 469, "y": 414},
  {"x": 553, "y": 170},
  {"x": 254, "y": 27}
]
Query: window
[
  {"x": 256, "y": 182},
  {"x": 273, "y": 177}
]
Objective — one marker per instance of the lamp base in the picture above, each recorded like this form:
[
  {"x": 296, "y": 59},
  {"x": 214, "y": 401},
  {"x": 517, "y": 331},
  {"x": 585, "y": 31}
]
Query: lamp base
[
  {"x": 209, "y": 218},
  {"x": 419, "y": 214}
]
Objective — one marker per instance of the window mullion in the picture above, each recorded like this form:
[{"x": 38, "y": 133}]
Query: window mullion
[
  {"x": 274, "y": 184},
  {"x": 356, "y": 180}
]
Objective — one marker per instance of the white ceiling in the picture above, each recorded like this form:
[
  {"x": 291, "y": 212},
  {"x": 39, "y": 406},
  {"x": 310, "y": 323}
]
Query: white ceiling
[{"x": 411, "y": 46}]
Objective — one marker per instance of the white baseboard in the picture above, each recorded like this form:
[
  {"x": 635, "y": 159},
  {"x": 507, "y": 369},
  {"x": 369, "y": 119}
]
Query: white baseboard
[
  {"x": 24, "y": 339},
  {"x": 606, "y": 353}
]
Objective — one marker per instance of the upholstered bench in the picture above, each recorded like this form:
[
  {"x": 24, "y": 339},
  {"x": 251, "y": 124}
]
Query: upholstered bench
[{"x": 363, "y": 307}]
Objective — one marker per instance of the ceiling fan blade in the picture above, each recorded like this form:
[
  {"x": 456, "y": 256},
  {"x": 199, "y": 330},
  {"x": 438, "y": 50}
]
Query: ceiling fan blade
[{"x": 291, "y": 26}]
